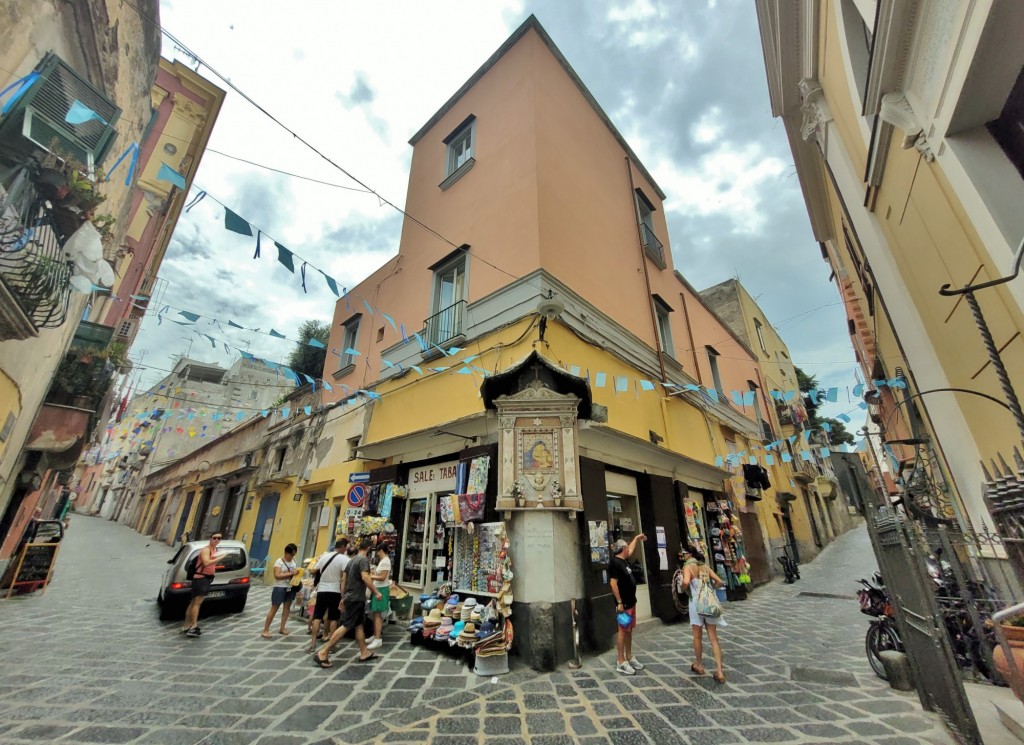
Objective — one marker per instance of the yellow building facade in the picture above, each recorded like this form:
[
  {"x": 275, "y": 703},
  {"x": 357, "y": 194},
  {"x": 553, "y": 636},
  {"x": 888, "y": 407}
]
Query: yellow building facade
[{"x": 897, "y": 124}]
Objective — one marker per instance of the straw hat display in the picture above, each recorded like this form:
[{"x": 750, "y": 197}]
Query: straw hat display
[{"x": 432, "y": 619}]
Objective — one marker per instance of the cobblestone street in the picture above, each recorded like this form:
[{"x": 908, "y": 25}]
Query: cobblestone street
[{"x": 88, "y": 662}]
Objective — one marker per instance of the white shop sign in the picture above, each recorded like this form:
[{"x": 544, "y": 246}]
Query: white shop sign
[{"x": 430, "y": 479}]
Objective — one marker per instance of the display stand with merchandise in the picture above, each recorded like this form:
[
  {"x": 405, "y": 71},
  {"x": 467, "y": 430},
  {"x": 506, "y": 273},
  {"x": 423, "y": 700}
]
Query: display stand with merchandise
[{"x": 727, "y": 555}]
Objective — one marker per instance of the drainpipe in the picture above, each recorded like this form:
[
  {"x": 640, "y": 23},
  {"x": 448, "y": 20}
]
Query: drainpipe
[
  {"x": 689, "y": 333},
  {"x": 647, "y": 278}
]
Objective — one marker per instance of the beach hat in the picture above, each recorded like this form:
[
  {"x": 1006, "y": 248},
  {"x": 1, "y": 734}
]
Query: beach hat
[
  {"x": 453, "y": 599},
  {"x": 433, "y": 619},
  {"x": 475, "y": 616},
  {"x": 429, "y": 631},
  {"x": 458, "y": 627},
  {"x": 485, "y": 630}
]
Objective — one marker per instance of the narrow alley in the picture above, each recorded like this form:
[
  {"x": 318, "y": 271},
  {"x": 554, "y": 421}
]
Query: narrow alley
[{"x": 88, "y": 661}]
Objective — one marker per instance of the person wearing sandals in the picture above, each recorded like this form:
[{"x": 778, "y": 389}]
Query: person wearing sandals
[
  {"x": 283, "y": 592},
  {"x": 694, "y": 573},
  {"x": 623, "y": 586},
  {"x": 356, "y": 582}
]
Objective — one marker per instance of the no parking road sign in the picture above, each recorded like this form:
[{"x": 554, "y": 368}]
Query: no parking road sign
[{"x": 356, "y": 495}]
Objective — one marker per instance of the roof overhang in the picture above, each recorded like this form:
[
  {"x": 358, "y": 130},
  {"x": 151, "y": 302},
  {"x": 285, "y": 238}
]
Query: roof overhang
[{"x": 510, "y": 381}]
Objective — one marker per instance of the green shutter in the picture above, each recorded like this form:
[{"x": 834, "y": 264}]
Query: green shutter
[{"x": 40, "y": 112}]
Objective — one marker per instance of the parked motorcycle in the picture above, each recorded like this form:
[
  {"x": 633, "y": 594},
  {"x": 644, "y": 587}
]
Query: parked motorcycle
[
  {"x": 882, "y": 634},
  {"x": 972, "y": 650}
]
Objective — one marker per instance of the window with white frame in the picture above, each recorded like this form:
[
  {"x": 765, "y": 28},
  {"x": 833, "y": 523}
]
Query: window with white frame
[
  {"x": 662, "y": 310},
  {"x": 446, "y": 318},
  {"x": 460, "y": 146},
  {"x": 349, "y": 340}
]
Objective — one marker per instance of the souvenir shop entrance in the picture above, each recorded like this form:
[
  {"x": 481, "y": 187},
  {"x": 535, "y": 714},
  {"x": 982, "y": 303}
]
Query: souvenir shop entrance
[
  {"x": 624, "y": 523},
  {"x": 712, "y": 524},
  {"x": 424, "y": 559}
]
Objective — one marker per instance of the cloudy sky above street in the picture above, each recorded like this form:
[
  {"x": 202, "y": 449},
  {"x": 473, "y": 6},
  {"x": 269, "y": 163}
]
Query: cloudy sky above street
[{"x": 683, "y": 82}]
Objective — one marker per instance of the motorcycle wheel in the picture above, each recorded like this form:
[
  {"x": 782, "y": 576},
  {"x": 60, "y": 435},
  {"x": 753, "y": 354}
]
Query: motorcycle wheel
[{"x": 880, "y": 638}]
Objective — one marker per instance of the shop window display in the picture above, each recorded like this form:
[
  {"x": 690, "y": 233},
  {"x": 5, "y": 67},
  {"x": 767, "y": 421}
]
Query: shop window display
[{"x": 727, "y": 555}]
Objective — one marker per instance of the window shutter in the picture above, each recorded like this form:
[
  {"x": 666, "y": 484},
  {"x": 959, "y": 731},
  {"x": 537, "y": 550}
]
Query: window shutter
[{"x": 39, "y": 114}]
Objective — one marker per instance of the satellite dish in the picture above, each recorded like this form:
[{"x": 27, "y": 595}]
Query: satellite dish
[
  {"x": 550, "y": 309},
  {"x": 105, "y": 276}
]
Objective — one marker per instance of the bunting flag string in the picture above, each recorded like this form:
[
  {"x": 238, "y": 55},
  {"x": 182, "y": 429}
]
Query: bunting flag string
[{"x": 22, "y": 85}]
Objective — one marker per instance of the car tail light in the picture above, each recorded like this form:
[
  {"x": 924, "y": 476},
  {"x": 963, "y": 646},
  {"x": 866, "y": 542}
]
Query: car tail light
[
  {"x": 180, "y": 585},
  {"x": 239, "y": 581}
]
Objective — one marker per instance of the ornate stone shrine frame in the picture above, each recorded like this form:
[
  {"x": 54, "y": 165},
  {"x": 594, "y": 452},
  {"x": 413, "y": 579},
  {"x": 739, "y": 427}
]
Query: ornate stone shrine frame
[{"x": 539, "y": 464}]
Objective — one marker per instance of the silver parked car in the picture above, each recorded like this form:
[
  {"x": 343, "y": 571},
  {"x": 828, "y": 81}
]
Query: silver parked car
[{"x": 229, "y": 590}]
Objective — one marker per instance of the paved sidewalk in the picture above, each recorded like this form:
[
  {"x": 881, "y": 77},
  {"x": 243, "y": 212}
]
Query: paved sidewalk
[
  {"x": 88, "y": 662},
  {"x": 777, "y": 629}
]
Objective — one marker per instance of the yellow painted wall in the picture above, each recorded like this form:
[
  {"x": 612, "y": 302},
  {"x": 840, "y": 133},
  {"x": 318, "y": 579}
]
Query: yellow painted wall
[
  {"x": 10, "y": 403},
  {"x": 410, "y": 404}
]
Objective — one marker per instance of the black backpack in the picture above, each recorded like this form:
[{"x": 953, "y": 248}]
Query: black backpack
[{"x": 193, "y": 565}]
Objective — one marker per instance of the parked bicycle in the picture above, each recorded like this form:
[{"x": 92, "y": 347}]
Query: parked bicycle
[{"x": 882, "y": 634}]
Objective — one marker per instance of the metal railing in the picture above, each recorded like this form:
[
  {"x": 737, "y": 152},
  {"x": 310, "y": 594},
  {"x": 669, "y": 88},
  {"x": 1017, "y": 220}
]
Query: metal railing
[
  {"x": 651, "y": 243},
  {"x": 445, "y": 324},
  {"x": 33, "y": 265}
]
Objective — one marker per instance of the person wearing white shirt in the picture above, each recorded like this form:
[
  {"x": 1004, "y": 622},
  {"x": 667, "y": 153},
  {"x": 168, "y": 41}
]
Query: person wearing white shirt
[
  {"x": 379, "y": 607},
  {"x": 283, "y": 592},
  {"x": 331, "y": 567}
]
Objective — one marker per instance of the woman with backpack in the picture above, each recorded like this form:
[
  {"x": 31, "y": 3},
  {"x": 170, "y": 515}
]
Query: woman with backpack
[{"x": 705, "y": 610}]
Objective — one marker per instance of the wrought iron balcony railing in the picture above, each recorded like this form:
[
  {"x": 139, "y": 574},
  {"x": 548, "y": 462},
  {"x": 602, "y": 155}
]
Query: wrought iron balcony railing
[
  {"x": 651, "y": 244},
  {"x": 445, "y": 324},
  {"x": 33, "y": 266}
]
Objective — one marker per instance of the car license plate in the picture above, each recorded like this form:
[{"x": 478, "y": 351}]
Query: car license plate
[{"x": 216, "y": 594}]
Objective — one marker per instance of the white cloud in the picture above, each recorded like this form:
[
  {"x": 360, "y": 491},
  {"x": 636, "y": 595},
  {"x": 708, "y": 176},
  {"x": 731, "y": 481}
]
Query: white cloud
[
  {"x": 708, "y": 128},
  {"x": 729, "y": 181}
]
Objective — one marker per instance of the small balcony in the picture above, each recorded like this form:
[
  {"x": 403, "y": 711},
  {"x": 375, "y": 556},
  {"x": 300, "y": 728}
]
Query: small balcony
[
  {"x": 652, "y": 245},
  {"x": 445, "y": 325},
  {"x": 35, "y": 273}
]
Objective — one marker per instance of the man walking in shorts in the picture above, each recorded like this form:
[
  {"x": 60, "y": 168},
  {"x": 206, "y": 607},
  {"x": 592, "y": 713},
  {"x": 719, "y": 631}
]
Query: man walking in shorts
[
  {"x": 328, "y": 591},
  {"x": 357, "y": 582}
]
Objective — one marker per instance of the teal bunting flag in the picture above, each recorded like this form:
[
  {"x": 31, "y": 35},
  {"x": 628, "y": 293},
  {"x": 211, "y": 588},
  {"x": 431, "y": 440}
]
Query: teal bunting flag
[
  {"x": 599, "y": 380},
  {"x": 232, "y": 323},
  {"x": 236, "y": 223},
  {"x": 351, "y": 351},
  {"x": 278, "y": 334},
  {"x": 190, "y": 316},
  {"x": 369, "y": 308},
  {"x": 284, "y": 256},
  {"x": 166, "y": 173},
  {"x": 316, "y": 343},
  {"x": 332, "y": 285},
  {"x": 646, "y": 385},
  {"x": 390, "y": 320},
  {"x": 22, "y": 85},
  {"x": 79, "y": 113}
]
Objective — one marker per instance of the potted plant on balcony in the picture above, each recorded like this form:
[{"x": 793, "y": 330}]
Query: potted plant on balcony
[{"x": 1013, "y": 630}]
